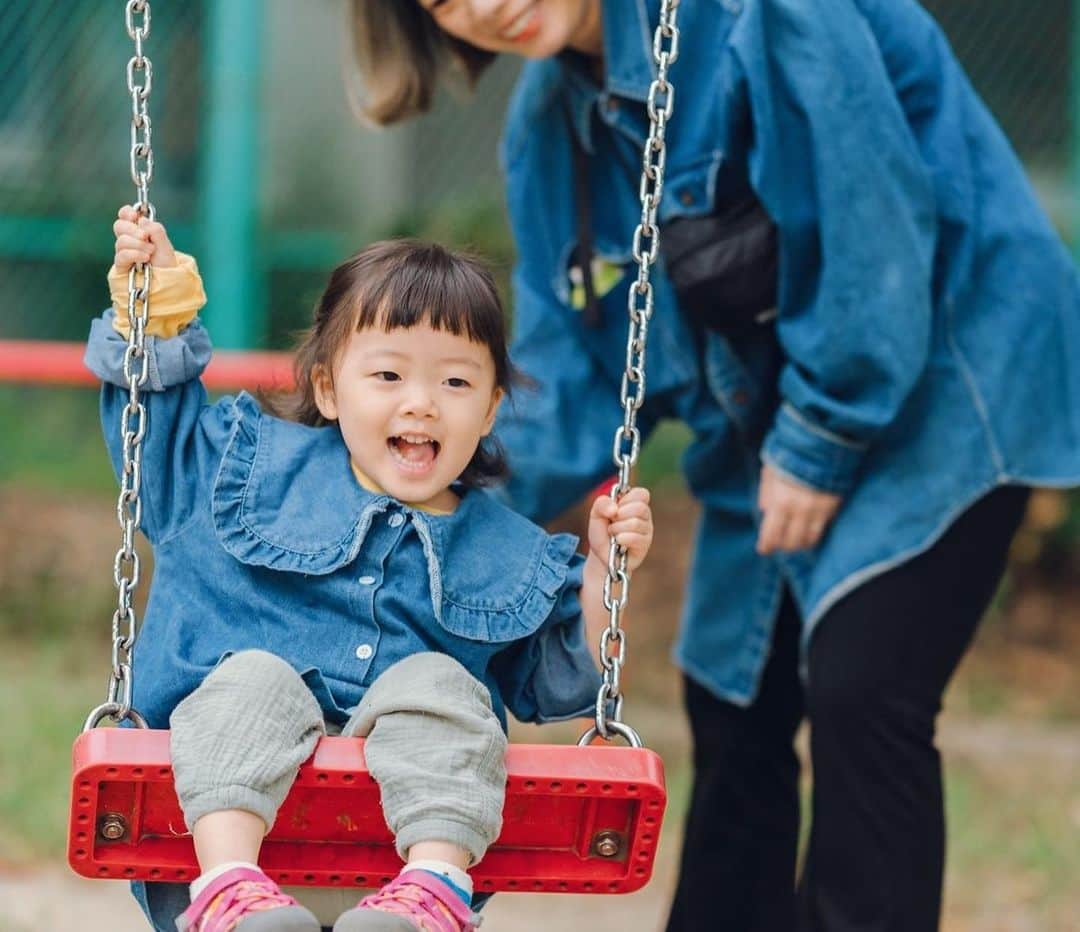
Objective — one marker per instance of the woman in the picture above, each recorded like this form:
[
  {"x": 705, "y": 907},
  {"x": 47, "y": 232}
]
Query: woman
[{"x": 862, "y": 456}]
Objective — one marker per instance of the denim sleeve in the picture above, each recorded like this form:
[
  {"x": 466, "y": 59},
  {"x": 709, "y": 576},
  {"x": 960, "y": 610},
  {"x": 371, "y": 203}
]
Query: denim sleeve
[
  {"x": 552, "y": 674},
  {"x": 183, "y": 430},
  {"x": 558, "y": 432},
  {"x": 838, "y": 169}
]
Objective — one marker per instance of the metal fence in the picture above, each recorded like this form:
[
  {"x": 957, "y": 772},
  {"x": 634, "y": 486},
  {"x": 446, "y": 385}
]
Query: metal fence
[{"x": 311, "y": 184}]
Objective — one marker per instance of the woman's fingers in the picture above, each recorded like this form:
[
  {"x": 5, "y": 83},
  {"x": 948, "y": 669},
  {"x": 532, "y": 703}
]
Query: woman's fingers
[
  {"x": 794, "y": 517},
  {"x": 773, "y": 525}
]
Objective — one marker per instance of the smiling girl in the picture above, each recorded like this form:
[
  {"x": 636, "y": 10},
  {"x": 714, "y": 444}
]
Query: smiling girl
[{"x": 338, "y": 569}]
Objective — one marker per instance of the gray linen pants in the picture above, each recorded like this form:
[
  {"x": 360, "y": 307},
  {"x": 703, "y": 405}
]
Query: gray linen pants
[{"x": 434, "y": 746}]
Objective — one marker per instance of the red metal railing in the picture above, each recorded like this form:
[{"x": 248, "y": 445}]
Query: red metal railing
[{"x": 35, "y": 362}]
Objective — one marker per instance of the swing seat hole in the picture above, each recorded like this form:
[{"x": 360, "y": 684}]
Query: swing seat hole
[
  {"x": 81, "y": 854},
  {"x": 613, "y": 886},
  {"x": 348, "y": 778},
  {"x": 647, "y": 837},
  {"x": 111, "y": 771},
  {"x": 606, "y": 788},
  {"x": 360, "y": 880},
  {"x": 581, "y": 788},
  {"x": 640, "y": 872},
  {"x": 530, "y": 784},
  {"x": 83, "y": 819},
  {"x": 129, "y": 872},
  {"x": 563, "y": 886},
  {"x": 155, "y": 873},
  {"x": 309, "y": 878},
  {"x": 512, "y": 884},
  {"x": 538, "y": 885},
  {"x": 181, "y": 874},
  {"x": 335, "y": 878},
  {"x": 322, "y": 777},
  {"x": 103, "y": 872},
  {"x": 556, "y": 786},
  {"x": 632, "y": 789},
  {"x": 84, "y": 785},
  {"x": 164, "y": 772}
]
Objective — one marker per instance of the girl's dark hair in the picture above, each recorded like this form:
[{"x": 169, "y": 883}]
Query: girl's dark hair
[
  {"x": 398, "y": 284},
  {"x": 401, "y": 53}
]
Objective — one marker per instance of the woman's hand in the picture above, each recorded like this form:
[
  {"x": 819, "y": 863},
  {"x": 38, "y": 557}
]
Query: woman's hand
[
  {"x": 629, "y": 521},
  {"x": 794, "y": 517},
  {"x": 139, "y": 240}
]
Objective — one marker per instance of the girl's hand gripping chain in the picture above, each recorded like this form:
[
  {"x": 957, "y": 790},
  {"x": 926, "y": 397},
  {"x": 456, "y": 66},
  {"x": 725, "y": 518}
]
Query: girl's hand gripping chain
[
  {"x": 629, "y": 521},
  {"x": 139, "y": 240}
]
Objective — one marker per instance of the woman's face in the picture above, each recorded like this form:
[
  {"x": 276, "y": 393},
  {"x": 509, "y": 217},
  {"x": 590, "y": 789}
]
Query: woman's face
[{"x": 530, "y": 28}]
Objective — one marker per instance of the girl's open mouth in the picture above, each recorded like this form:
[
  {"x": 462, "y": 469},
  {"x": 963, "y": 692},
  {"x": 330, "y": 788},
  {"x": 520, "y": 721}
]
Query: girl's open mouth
[{"x": 413, "y": 453}]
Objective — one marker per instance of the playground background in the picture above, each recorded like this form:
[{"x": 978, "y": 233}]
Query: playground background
[{"x": 262, "y": 172}]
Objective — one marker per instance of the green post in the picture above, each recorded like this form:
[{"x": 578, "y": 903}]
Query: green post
[{"x": 229, "y": 255}]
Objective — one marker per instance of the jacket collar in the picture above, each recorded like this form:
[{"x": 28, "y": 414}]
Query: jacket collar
[
  {"x": 628, "y": 31},
  {"x": 628, "y": 66}
]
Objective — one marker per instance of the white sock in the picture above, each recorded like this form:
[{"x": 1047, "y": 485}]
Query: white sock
[
  {"x": 456, "y": 874},
  {"x": 200, "y": 883}
]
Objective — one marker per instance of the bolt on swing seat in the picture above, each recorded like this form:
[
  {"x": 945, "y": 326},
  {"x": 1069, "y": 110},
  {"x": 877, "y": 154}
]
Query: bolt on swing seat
[{"x": 579, "y": 819}]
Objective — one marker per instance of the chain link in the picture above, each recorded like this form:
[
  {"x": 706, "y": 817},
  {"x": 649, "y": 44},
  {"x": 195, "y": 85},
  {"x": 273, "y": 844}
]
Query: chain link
[
  {"x": 133, "y": 417},
  {"x": 627, "y": 441}
]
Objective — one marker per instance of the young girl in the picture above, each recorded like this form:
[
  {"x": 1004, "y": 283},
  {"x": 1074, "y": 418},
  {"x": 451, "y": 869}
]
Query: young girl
[{"x": 336, "y": 569}]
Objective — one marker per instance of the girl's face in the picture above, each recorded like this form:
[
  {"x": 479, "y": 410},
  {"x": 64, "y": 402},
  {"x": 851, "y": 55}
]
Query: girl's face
[
  {"x": 530, "y": 28},
  {"x": 412, "y": 406}
]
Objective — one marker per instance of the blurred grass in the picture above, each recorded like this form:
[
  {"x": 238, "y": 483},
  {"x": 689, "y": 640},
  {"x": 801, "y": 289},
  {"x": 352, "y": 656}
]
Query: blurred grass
[{"x": 52, "y": 440}]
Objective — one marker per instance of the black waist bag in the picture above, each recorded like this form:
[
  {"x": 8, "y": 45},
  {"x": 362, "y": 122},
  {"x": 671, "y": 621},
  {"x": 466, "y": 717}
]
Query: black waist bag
[{"x": 724, "y": 267}]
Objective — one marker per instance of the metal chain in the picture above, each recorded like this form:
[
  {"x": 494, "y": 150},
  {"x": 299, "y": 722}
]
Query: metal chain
[
  {"x": 133, "y": 418},
  {"x": 627, "y": 443}
]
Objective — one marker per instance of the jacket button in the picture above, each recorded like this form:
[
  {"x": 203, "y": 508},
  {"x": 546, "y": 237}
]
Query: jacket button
[
  {"x": 364, "y": 652},
  {"x": 366, "y": 580},
  {"x": 686, "y": 196},
  {"x": 741, "y": 397},
  {"x": 396, "y": 519},
  {"x": 612, "y": 105}
]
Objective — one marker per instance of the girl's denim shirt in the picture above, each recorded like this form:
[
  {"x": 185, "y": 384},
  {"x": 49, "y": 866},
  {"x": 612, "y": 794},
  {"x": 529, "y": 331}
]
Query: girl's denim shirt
[
  {"x": 925, "y": 348},
  {"x": 263, "y": 538}
]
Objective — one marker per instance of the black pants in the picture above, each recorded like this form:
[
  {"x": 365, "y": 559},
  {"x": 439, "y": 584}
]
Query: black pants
[{"x": 879, "y": 663}]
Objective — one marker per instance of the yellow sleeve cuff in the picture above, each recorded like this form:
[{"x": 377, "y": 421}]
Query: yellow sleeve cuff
[{"x": 176, "y": 296}]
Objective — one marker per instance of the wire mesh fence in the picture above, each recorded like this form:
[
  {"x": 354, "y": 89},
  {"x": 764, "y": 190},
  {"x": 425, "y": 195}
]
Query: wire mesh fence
[{"x": 325, "y": 183}]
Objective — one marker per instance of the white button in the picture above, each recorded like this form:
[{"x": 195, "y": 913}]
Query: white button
[
  {"x": 364, "y": 651},
  {"x": 396, "y": 520},
  {"x": 366, "y": 580}
]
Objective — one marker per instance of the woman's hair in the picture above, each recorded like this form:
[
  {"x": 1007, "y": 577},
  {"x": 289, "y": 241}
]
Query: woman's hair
[
  {"x": 398, "y": 284},
  {"x": 401, "y": 53}
]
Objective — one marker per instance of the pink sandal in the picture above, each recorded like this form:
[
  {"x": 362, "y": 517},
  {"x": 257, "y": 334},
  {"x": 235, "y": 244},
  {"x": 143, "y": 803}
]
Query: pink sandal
[
  {"x": 414, "y": 901},
  {"x": 243, "y": 900}
]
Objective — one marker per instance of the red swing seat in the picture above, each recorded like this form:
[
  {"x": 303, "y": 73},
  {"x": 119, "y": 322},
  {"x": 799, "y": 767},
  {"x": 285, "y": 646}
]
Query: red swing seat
[{"x": 576, "y": 819}]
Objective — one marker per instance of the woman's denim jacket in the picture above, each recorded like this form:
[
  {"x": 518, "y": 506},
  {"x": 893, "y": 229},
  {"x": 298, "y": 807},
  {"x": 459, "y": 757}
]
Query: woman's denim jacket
[
  {"x": 263, "y": 538},
  {"x": 925, "y": 346}
]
